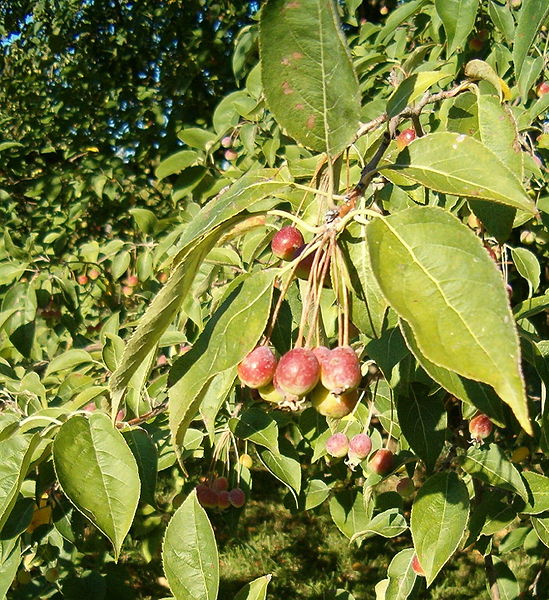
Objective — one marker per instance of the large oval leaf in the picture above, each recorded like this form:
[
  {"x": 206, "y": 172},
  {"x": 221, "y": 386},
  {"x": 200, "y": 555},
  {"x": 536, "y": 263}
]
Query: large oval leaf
[
  {"x": 437, "y": 276},
  {"x": 439, "y": 516},
  {"x": 460, "y": 165},
  {"x": 532, "y": 14},
  {"x": 98, "y": 473},
  {"x": 255, "y": 590},
  {"x": 190, "y": 554},
  {"x": 458, "y": 18},
  {"x": 309, "y": 81}
]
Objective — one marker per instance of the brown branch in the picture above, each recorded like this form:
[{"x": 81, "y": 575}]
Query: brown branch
[{"x": 161, "y": 408}]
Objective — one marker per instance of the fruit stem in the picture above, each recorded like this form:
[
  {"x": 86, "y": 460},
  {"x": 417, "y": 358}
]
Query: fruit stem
[{"x": 296, "y": 220}]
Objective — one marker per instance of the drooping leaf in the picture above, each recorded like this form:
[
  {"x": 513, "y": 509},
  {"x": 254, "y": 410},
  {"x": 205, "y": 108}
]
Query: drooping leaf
[
  {"x": 532, "y": 15},
  {"x": 458, "y": 18},
  {"x": 10, "y": 557},
  {"x": 528, "y": 266},
  {"x": 309, "y": 81},
  {"x": 146, "y": 457},
  {"x": 284, "y": 465},
  {"x": 189, "y": 554},
  {"x": 388, "y": 523},
  {"x": 541, "y": 527},
  {"x": 349, "y": 513},
  {"x": 401, "y": 575},
  {"x": 98, "y": 473},
  {"x": 257, "y": 426},
  {"x": 231, "y": 333},
  {"x": 490, "y": 465},
  {"x": 175, "y": 163},
  {"x": 460, "y": 165},
  {"x": 538, "y": 493},
  {"x": 423, "y": 422},
  {"x": 508, "y": 586},
  {"x": 437, "y": 276},
  {"x": 439, "y": 516}
]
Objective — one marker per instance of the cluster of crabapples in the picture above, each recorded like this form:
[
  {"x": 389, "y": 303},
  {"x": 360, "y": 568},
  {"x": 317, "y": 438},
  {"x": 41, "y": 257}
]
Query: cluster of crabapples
[{"x": 216, "y": 494}]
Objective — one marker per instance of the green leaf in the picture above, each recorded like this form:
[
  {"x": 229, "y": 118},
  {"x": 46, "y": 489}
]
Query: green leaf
[
  {"x": 503, "y": 20},
  {"x": 481, "y": 70},
  {"x": 232, "y": 332},
  {"x": 255, "y": 590},
  {"x": 10, "y": 557},
  {"x": 538, "y": 493},
  {"x": 489, "y": 464},
  {"x": 175, "y": 163},
  {"x": 104, "y": 486},
  {"x": 388, "y": 524},
  {"x": 531, "y": 70},
  {"x": 423, "y": 422},
  {"x": 478, "y": 394},
  {"x": 401, "y": 576},
  {"x": 439, "y": 516},
  {"x": 315, "y": 493},
  {"x": 284, "y": 465},
  {"x": 15, "y": 456},
  {"x": 460, "y": 165},
  {"x": 349, "y": 513},
  {"x": 146, "y": 457},
  {"x": 532, "y": 15},
  {"x": 458, "y": 18},
  {"x": 197, "y": 138},
  {"x": 308, "y": 77},
  {"x": 257, "y": 426},
  {"x": 528, "y": 266},
  {"x": 428, "y": 263},
  {"x": 145, "y": 220},
  {"x": 189, "y": 554},
  {"x": 113, "y": 350},
  {"x": 411, "y": 89},
  {"x": 214, "y": 395},
  {"x": 120, "y": 264},
  {"x": 507, "y": 583},
  {"x": 397, "y": 17},
  {"x": 541, "y": 527}
]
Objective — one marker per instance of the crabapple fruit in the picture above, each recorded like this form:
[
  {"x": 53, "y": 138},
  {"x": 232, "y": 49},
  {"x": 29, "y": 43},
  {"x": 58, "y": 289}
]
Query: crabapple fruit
[
  {"x": 132, "y": 280},
  {"x": 220, "y": 484},
  {"x": 360, "y": 445},
  {"x": 286, "y": 241},
  {"x": 223, "y": 499},
  {"x": 542, "y": 88},
  {"x": 227, "y": 141},
  {"x": 381, "y": 462},
  {"x": 258, "y": 367},
  {"x": 82, "y": 279},
  {"x": 237, "y": 497},
  {"x": 321, "y": 353},
  {"x": 405, "y": 487},
  {"x": 340, "y": 370},
  {"x": 246, "y": 461},
  {"x": 337, "y": 445},
  {"x": 480, "y": 427},
  {"x": 333, "y": 405},
  {"x": 298, "y": 371},
  {"x": 231, "y": 155},
  {"x": 93, "y": 274},
  {"x": 416, "y": 567},
  {"x": 305, "y": 265},
  {"x": 405, "y": 137},
  {"x": 206, "y": 496}
]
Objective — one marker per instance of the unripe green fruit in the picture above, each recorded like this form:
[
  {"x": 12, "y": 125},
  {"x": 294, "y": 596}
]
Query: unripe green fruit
[
  {"x": 23, "y": 577},
  {"x": 51, "y": 575},
  {"x": 405, "y": 487},
  {"x": 246, "y": 461},
  {"x": 331, "y": 405}
]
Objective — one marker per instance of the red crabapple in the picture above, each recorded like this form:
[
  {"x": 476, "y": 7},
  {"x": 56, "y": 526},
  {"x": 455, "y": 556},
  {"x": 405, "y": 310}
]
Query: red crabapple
[
  {"x": 298, "y": 371},
  {"x": 480, "y": 427},
  {"x": 340, "y": 371},
  {"x": 93, "y": 274},
  {"x": 258, "y": 367},
  {"x": 332, "y": 405},
  {"x": 220, "y": 484},
  {"x": 227, "y": 141},
  {"x": 381, "y": 462},
  {"x": 542, "y": 88},
  {"x": 82, "y": 279},
  {"x": 223, "y": 499},
  {"x": 305, "y": 265},
  {"x": 405, "y": 137},
  {"x": 337, "y": 445},
  {"x": 405, "y": 487},
  {"x": 206, "y": 496},
  {"x": 286, "y": 241},
  {"x": 321, "y": 353},
  {"x": 237, "y": 497},
  {"x": 360, "y": 445},
  {"x": 416, "y": 567},
  {"x": 132, "y": 280},
  {"x": 231, "y": 155}
]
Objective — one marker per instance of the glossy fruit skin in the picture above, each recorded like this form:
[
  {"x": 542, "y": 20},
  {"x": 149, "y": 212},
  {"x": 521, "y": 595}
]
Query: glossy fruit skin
[
  {"x": 543, "y": 88},
  {"x": 321, "y": 353},
  {"x": 237, "y": 497},
  {"x": 480, "y": 427},
  {"x": 381, "y": 462},
  {"x": 332, "y": 405},
  {"x": 405, "y": 487},
  {"x": 360, "y": 445},
  {"x": 298, "y": 372},
  {"x": 271, "y": 393},
  {"x": 82, "y": 279},
  {"x": 405, "y": 137},
  {"x": 227, "y": 141},
  {"x": 231, "y": 155},
  {"x": 207, "y": 497},
  {"x": 337, "y": 445},
  {"x": 258, "y": 368},
  {"x": 286, "y": 241},
  {"x": 416, "y": 567},
  {"x": 340, "y": 370}
]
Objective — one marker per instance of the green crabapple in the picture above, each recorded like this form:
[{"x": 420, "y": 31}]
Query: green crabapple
[{"x": 335, "y": 406}]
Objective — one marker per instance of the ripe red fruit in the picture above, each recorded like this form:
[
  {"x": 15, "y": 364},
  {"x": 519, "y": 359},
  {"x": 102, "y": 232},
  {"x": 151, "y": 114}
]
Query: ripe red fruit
[
  {"x": 333, "y": 405},
  {"x": 286, "y": 241},
  {"x": 543, "y": 88},
  {"x": 93, "y": 274},
  {"x": 127, "y": 290},
  {"x": 360, "y": 445},
  {"x": 405, "y": 137},
  {"x": 162, "y": 277},
  {"x": 237, "y": 497},
  {"x": 337, "y": 445},
  {"x": 231, "y": 155},
  {"x": 416, "y": 567},
  {"x": 321, "y": 353},
  {"x": 405, "y": 487},
  {"x": 340, "y": 370},
  {"x": 206, "y": 496},
  {"x": 298, "y": 371},
  {"x": 480, "y": 427},
  {"x": 305, "y": 265},
  {"x": 82, "y": 279},
  {"x": 132, "y": 280},
  {"x": 227, "y": 141},
  {"x": 476, "y": 44},
  {"x": 223, "y": 499},
  {"x": 381, "y": 462},
  {"x": 220, "y": 484},
  {"x": 258, "y": 367}
]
